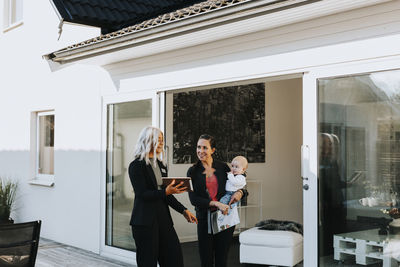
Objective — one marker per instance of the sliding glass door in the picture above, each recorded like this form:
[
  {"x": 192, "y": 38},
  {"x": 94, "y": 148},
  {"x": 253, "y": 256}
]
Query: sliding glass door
[
  {"x": 359, "y": 169},
  {"x": 124, "y": 122}
]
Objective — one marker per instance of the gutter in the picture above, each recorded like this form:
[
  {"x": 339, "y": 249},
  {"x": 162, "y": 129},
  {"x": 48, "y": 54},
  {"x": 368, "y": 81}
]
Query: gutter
[
  {"x": 242, "y": 18},
  {"x": 193, "y": 23}
]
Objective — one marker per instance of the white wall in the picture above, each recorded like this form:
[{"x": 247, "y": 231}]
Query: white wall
[
  {"x": 282, "y": 186},
  {"x": 70, "y": 211}
]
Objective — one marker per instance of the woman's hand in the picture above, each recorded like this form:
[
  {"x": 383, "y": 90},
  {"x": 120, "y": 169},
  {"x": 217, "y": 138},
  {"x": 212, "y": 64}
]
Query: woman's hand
[
  {"x": 221, "y": 206},
  {"x": 189, "y": 216},
  {"x": 175, "y": 189},
  {"x": 236, "y": 197}
]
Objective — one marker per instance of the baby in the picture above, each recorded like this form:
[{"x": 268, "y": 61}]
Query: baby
[{"x": 236, "y": 179}]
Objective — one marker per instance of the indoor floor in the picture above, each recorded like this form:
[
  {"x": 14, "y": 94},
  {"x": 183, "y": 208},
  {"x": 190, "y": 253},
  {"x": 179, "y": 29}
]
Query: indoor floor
[{"x": 191, "y": 256}]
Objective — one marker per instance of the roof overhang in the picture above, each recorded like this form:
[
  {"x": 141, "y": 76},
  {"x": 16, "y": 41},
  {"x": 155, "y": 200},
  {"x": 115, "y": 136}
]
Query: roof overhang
[
  {"x": 242, "y": 18},
  {"x": 113, "y": 15}
]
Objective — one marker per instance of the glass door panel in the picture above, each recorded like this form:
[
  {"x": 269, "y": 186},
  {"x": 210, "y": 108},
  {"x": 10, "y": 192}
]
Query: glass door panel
[
  {"x": 359, "y": 169},
  {"x": 124, "y": 123}
]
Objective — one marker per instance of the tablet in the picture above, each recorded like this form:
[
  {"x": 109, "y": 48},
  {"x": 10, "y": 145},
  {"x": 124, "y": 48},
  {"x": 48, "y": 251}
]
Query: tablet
[{"x": 187, "y": 182}]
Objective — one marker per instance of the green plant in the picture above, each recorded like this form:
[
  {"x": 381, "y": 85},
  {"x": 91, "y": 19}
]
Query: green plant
[{"x": 8, "y": 189}]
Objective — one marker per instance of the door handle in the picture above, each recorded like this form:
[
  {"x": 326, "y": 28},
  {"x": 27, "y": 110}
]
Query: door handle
[{"x": 305, "y": 161}]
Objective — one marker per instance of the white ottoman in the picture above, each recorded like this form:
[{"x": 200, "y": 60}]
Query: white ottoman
[{"x": 284, "y": 248}]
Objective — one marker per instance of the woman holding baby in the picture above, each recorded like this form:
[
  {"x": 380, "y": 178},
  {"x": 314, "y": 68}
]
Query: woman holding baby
[{"x": 209, "y": 178}]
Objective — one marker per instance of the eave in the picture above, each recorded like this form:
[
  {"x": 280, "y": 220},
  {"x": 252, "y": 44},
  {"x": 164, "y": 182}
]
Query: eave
[{"x": 242, "y": 18}]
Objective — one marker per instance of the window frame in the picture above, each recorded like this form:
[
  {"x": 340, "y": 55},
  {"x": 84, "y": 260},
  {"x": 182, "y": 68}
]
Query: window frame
[
  {"x": 10, "y": 8},
  {"x": 38, "y": 178}
]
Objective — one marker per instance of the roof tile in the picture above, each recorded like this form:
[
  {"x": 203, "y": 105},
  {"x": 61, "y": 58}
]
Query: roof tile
[
  {"x": 177, "y": 15},
  {"x": 125, "y": 12}
]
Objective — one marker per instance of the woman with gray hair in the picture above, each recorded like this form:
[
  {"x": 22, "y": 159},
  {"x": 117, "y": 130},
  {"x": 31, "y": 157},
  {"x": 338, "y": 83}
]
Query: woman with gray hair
[{"x": 152, "y": 226}]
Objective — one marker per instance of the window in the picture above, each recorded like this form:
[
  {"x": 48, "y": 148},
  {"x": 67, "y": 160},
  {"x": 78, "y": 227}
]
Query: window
[
  {"x": 45, "y": 144},
  {"x": 125, "y": 121},
  {"x": 359, "y": 166},
  {"x": 42, "y": 148},
  {"x": 12, "y": 13}
]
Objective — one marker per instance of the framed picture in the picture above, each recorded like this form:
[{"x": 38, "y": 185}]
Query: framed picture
[{"x": 234, "y": 115}]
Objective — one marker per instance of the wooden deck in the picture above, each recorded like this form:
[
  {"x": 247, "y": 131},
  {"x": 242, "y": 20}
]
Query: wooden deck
[{"x": 53, "y": 254}]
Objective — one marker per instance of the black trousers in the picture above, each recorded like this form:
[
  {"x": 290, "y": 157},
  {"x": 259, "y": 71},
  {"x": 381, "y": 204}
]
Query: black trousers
[
  {"x": 158, "y": 242},
  {"x": 213, "y": 248}
]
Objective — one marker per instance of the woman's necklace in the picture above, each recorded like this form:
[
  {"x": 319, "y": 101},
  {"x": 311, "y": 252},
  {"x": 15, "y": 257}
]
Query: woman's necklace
[{"x": 208, "y": 171}]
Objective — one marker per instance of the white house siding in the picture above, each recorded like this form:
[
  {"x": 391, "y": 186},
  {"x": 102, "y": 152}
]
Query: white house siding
[
  {"x": 345, "y": 37},
  {"x": 71, "y": 210}
]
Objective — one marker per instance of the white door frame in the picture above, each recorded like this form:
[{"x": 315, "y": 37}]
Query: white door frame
[
  {"x": 105, "y": 250},
  {"x": 310, "y": 140},
  {"x": 158, "y": 119},
  {"x": 309, "y": 171}
]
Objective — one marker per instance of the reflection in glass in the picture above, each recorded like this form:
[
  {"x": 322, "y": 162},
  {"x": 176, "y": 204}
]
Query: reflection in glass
[
  {"x": 125, "y": 121},
  {"x": 46, "y": 144},
  {"x": 359, "y": 169}
]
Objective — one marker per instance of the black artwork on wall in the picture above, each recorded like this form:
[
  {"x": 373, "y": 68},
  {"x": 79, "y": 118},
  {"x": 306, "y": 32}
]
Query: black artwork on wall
[{"x": 234, "y": 115}]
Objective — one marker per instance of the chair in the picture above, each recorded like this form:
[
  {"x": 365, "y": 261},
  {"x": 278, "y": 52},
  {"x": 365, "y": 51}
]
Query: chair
[{"x": 19, "y": 244}]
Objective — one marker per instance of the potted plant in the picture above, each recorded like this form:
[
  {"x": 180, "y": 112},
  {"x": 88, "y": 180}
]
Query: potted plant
[
  {"x": 394, "y": 213},
  {"x": 8, "y": 189}
]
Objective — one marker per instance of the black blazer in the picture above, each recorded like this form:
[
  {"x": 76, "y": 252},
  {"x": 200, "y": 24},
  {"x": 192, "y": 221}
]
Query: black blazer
[
  {"x": 148, "y": 198},
  {"x": 200, "y": 197}
]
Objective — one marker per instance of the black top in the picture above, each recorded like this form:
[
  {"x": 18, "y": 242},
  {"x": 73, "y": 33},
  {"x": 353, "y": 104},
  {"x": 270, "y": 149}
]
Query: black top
[
  {"x": 149, "y": 200},
  {"x": 114, "y": 15},
  {"x": 200, "y": 197}
]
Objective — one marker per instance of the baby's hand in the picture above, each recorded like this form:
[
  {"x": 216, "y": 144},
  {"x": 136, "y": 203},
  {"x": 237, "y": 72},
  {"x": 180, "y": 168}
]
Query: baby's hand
[{"x": 229, "y": 172}]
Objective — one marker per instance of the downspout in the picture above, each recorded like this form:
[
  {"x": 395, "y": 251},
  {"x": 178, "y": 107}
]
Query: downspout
[{"x": 60, "y": 25}]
